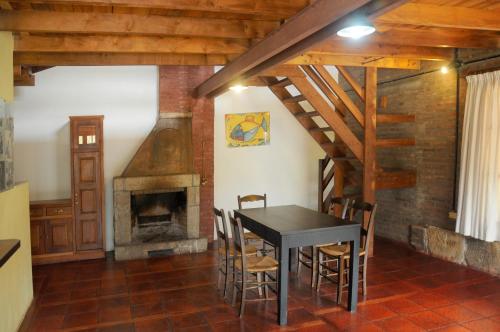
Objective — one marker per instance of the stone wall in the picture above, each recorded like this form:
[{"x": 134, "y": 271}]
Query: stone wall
[
  {"x": 6, "y": 148},
  {"x": 431, "y": 97},
  {"x": 453, "y": 247},
  {"x": 176, "y": 85}
]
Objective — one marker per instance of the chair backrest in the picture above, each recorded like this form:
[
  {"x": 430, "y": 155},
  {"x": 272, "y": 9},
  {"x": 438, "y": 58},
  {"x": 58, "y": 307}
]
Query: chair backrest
[
  {"x": 238, "y": 239},
  {"x": 341, "y": 202},
  {"x": 221, "y": 227},
  {"x": 358, "y": 209},
  {"x": 251, "y": 198}
]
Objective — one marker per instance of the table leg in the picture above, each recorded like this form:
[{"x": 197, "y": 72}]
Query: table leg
[
  {"x": 293, "y": 259},
  {"x": 283, "y": 286},
  {"x": 352, "y": 300}
]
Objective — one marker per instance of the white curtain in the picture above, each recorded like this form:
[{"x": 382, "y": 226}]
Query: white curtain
[{"x": 478, "y": 213}]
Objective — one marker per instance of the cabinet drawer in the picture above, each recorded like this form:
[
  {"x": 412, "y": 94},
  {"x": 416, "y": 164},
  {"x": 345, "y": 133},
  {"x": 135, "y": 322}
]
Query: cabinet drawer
[
  {"x": 36, "y": 212},
  {"x": 59, "y": 211}
]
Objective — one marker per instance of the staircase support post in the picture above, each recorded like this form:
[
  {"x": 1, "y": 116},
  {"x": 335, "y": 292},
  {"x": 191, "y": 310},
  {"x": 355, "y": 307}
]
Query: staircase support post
[
  {"x": 370, "y": 137},
  {"x": 338, "y": 183}
]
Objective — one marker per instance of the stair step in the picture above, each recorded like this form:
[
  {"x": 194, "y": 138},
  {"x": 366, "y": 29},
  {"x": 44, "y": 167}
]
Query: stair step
[
  {"x": 306, "y": 114},
  {"x": 294, "y": 99},
  {"x": 283, "y": 83},
  {"x": 396, "y": 178},
  {"x": 395, "y": 118},
  {"x": 315, "y": 130},
  {"x": 395, "y": 142}
]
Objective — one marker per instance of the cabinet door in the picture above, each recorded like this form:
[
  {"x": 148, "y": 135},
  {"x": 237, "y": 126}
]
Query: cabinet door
[
  {"x": 87, "y": 200},
  {"x": 59, "y": 235},
  {"x": 37, "y": 230}
]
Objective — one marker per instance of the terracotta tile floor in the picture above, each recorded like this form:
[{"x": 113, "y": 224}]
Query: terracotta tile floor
[{"x": 407, "y": 291}]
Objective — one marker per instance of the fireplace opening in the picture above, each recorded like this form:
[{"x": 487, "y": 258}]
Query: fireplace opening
[{"x": 159, "y": 216}]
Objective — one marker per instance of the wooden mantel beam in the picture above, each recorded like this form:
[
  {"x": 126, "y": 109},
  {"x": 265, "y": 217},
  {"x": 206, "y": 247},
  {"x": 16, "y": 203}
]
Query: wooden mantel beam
[
  {"x": 443, "y": 16},
  {"x": 129, "y": 24},
  {"x": 275, "y": 8},
  {"x": 309, "y": 27}
]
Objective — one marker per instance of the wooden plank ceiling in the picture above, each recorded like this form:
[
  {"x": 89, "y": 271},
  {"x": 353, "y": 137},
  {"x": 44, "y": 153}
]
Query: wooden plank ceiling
[{"x": 215, "y": 32}]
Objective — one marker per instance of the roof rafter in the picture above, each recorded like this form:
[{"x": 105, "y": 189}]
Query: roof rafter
[
  {"x": 278, "y": 8},
  {"x": 311, "y": 26}
]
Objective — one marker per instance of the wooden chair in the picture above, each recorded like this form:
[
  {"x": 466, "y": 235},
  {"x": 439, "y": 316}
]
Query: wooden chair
[
  {"x": 225, "y": 251},
  {"x": 308, "y": 257},
  {"x": 249, "y": 236},
  {"x": 245, "y": 266},
  {"x": 333, "y": 260}
]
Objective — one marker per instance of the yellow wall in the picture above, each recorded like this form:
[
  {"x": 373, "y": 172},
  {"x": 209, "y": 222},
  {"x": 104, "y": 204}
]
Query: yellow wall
[
  {"x": 16, "y": 285},
  {"x": 6, "y": 66}
]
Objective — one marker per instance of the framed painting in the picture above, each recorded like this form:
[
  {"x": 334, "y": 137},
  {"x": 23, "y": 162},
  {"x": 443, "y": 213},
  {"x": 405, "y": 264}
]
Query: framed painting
[{"x": 247, "y": 129}]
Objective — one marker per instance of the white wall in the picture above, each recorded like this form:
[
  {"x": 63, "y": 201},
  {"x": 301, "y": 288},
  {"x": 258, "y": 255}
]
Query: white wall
[
  {"x": 126, "y": 96},
  {"x": 287, "y": 169}
]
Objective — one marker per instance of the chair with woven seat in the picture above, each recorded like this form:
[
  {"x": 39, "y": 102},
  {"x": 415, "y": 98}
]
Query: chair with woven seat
[
  {"x": 249, "y": 236},
  {"x": 307, "y": 257},
  {"x": 333, "y": 259},
  {"x": 225, "y": 250},
  {"x": 245, "y": 266}
]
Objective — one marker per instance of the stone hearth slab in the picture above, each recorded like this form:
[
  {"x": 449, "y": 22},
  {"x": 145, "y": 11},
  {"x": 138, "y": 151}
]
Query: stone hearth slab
[{"x": 139, "y": 251}]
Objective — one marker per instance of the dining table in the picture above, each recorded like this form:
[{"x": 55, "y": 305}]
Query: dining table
[{"x": 289, "y": 227}]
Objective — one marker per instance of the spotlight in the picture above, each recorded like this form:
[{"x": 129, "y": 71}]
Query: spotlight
[{"x": 238, "y": 88}]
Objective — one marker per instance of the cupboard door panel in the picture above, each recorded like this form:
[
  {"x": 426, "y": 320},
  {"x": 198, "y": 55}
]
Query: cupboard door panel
[
  {"x": 87, "y": 193},
  {"x": 86, "y": 134},
  {"x": 37, "y": 230},
  {"x": 59, "y": 235}
]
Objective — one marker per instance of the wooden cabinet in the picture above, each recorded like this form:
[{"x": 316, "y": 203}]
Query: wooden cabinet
[
  {"x": 51, "y": 227},
  {"x": 72, "y": 229}
]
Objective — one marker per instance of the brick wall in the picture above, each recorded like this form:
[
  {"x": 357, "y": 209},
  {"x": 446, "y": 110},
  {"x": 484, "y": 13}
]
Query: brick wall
[
  {"x": 176, "y": 85},
  {"x": 431, "y": 97}
]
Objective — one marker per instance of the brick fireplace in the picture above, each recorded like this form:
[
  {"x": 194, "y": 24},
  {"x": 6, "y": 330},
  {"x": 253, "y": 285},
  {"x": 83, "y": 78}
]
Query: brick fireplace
[{"x": 163, "y": 199}]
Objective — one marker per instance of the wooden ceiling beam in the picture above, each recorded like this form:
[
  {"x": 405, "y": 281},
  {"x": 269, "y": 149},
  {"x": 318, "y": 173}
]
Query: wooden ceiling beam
[
  {"x": 367, "y": 48},
  {"x": 311, "y": 26},
  {"x": 276, "y": 8},
  {"x": 357, "y": 61},
  {"x": 118, "y": 59},
  {"x": 437, "y": 37},
  {"x": 443, "y": 16},
  {"x": 23, "y": 76},
  {"x": 129, "y": 44},
  {"x": 128, "y": 24}
]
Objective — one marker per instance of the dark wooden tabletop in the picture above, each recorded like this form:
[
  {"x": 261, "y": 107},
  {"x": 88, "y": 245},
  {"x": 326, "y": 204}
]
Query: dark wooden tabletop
[
  {"x": 293, "y": 219},
  {"x": 7, "y": 249}
]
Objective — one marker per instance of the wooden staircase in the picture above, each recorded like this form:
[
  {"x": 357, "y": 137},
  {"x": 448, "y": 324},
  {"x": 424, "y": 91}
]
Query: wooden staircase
[{"x": 349, "y": 138}]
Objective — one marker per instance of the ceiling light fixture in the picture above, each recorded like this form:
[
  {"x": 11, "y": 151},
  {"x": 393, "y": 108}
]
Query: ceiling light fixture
[
  {"x": 238, "y": 88},
  {"x": 356, "y": 27},
  {"x": 356, "y": 31},
  {"x": 444, "y": 70}
]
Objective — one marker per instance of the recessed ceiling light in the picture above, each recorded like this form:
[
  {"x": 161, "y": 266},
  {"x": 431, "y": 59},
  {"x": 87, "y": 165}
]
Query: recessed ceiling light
[
  {"x": 356, "y": 31},
  {"x": 238, "y": 88}
]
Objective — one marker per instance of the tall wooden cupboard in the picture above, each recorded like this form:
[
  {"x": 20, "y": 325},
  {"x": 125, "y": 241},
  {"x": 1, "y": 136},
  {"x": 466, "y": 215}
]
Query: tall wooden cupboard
[{"x": 73, "y": 229}]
